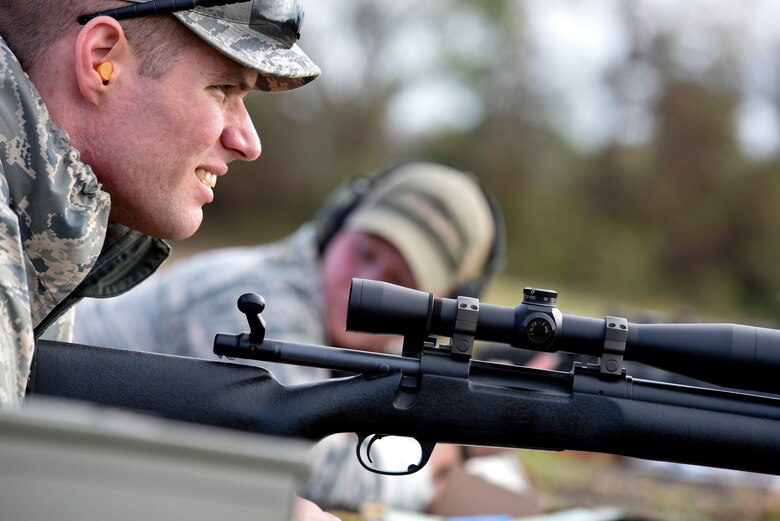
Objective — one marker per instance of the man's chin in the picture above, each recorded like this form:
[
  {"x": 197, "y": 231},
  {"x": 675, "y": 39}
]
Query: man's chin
[
  {"x": 170, "y": 227},
  {"x": 177, "y": 230}
]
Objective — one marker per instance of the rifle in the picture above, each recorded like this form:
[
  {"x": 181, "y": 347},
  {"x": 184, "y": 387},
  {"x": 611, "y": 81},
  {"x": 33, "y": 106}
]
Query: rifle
[{"x": 435, "y": 392}]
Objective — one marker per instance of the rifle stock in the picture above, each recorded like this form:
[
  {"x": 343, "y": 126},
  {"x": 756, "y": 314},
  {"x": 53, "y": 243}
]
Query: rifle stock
[{"x": 495, "y": 405}]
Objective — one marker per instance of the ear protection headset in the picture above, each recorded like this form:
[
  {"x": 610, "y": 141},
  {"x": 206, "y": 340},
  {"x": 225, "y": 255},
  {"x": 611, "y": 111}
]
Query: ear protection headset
[{"x": 343, "y": 200}]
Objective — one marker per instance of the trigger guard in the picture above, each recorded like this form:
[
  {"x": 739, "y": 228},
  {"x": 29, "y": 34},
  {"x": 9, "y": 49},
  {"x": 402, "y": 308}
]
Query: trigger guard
[{"x": 426, "y": 449}]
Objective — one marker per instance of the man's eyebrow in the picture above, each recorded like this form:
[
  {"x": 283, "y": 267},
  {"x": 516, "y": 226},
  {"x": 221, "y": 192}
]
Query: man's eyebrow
[{"x": 244, "y": 77}]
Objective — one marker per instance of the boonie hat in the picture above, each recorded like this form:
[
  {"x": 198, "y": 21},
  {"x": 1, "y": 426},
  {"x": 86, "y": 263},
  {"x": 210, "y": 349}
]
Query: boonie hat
[
  {"x": 259, "y": 34},
  {"x": 437, "y": 216}
]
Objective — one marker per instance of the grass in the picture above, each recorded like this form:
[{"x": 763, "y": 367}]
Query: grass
[{"x": 572, "y": 479}]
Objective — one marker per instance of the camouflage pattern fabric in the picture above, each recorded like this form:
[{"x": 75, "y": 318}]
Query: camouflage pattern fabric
[
  {"x": 179, "y": 310},
  {"x": 282, "y": 67},
  {"x": 52, "y": 221},
  {"x": 53, "y": 228},
  {"x": 260, "y": 34}
]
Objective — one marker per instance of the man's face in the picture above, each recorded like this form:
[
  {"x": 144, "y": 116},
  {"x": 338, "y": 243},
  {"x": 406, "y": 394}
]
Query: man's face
[
  {"x": 160, "y": 144},
  {"x": 362, "y": 255}
]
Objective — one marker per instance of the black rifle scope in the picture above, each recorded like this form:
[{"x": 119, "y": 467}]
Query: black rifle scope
[{"x": 730, "y": 355}]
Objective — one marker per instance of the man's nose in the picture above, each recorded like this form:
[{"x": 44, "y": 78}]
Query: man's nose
[{"x": 241, "y": 136}]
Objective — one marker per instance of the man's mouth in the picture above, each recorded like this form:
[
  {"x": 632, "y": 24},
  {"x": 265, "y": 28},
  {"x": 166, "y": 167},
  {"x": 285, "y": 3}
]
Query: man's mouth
[{"x": 206, "y": 177}]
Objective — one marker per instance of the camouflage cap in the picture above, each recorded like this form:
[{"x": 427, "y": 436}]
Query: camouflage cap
[
  {"x": 259, "y": 34},
  {"x": 438, "y": 218}
]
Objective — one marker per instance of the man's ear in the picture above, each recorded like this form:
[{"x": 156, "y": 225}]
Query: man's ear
[{"x": 100, "y": 41}]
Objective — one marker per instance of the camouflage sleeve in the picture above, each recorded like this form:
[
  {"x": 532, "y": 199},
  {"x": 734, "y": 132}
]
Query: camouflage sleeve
[
  {"x": 17, "y": 341},
  {"x": 16, "y": 330}
]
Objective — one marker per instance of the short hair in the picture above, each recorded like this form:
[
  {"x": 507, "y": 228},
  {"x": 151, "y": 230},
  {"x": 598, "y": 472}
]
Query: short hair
[{"x": 31, "y": 27}]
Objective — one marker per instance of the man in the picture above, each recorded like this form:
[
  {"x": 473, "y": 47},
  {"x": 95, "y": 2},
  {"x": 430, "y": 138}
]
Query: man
[
  {"x": 418, "y": 224},
  {"x": 113, "y": 131}
]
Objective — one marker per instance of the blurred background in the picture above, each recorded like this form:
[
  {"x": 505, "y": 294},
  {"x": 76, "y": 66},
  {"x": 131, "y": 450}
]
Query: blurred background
[{"x": 633, "y": 144}]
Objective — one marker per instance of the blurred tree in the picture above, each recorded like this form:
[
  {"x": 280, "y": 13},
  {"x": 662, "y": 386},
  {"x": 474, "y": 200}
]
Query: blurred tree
[{"x": 665, "y": 203}]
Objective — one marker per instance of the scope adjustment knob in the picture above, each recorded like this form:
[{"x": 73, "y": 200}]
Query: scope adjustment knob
[
  {"x": 539, "y": 330},
  {"x": 544, "y": 297}
]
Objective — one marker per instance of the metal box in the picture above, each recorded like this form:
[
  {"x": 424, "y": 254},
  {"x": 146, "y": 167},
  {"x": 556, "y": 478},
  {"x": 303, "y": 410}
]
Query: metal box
[{"x": 76, "y": 462}]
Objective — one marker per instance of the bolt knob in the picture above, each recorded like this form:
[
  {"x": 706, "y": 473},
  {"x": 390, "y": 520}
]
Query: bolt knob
[{"x": 251, "y": 303}]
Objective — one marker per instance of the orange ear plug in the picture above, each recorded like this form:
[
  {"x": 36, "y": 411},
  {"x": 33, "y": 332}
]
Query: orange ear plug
[{"x": 105, "y": 70}]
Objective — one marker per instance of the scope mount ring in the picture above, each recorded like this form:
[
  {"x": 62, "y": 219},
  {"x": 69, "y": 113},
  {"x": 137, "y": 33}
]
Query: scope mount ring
[
  {"x": 466, "y": 318},
  {"x": 615, "y": 337}
]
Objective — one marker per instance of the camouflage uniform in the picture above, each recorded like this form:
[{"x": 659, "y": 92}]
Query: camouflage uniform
[
  {"x": 53, "y": 225},
  {"x": 179, "y": 310}
]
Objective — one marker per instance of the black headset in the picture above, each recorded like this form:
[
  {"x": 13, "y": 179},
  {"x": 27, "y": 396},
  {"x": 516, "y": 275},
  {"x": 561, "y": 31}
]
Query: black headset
[{"x": 343, "y": 200}]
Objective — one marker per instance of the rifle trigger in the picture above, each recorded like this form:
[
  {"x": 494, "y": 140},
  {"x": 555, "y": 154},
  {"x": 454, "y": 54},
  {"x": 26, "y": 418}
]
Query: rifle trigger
[{"x": 370, "y": 444}]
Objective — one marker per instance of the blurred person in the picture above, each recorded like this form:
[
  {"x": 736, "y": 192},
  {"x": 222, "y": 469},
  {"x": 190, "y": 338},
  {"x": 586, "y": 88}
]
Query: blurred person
[
  {"x": 114, "y": 127},
  {"x": 419, "y": 224}
]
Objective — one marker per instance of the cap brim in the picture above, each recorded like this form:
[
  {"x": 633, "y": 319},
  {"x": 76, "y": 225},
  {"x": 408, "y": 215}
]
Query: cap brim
[{"x": 282, "y": 67}]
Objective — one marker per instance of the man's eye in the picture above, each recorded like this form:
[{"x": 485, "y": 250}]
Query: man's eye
[
  {"x": 364, "y": 252},
  {"x": 223, "y": 89}
]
